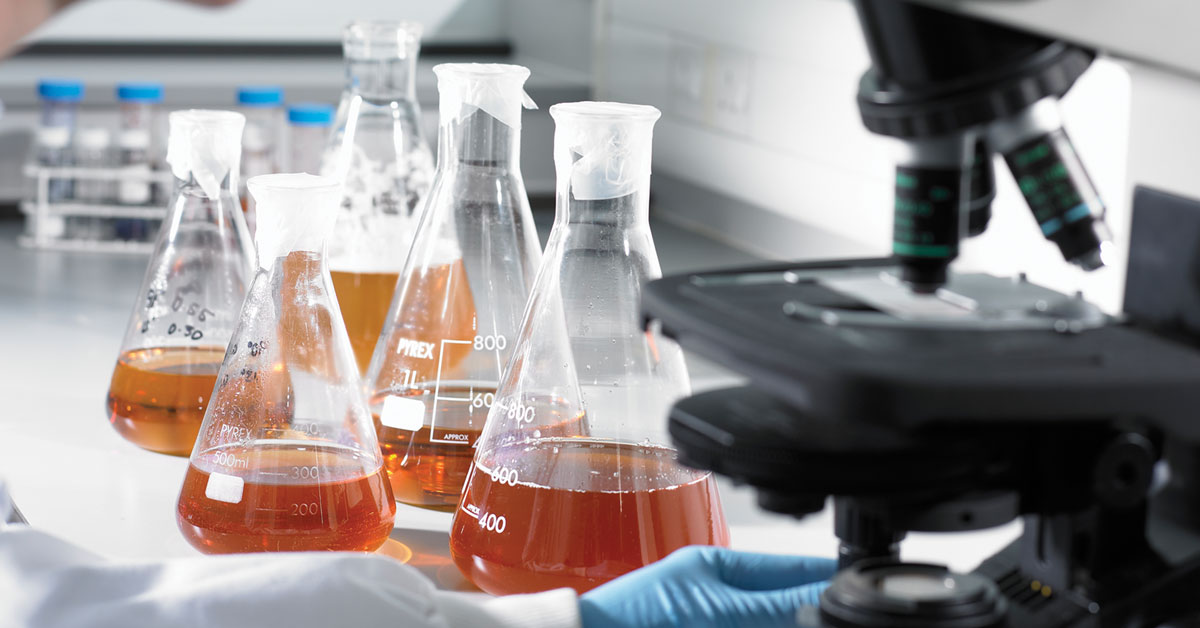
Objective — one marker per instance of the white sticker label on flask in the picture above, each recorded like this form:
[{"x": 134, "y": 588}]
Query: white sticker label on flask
[
  {"x": 224, "y": 488},
  {"x": 402, "y": 413}
]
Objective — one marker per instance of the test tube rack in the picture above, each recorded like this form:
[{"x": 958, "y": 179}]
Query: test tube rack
[{"x": 41, "y": 214}]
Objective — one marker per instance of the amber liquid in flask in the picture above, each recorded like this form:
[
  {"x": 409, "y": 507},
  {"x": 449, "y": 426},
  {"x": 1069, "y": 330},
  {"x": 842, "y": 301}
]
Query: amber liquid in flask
[
  {"x": 601, "y": 520},
  {"x": 377, "y": 148},
  {"x": 186, "y": 308},
  {"x": 428, "y": 465},
  {"x": 427, "y": 460},
  {"x": 577, "y": 509},
  {"x": 364, "y": 299},
  {"x": 157, "y": 396},
  {"x": 303, "y": 499},
  {"x": 286, "y": 458}
]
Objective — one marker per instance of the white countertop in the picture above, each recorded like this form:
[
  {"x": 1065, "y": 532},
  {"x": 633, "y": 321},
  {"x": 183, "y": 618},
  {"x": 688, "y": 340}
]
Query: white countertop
[{"x": 61, "y": 319}]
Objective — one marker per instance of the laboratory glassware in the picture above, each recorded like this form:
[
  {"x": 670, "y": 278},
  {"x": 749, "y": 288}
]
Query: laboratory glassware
[
  {"x": 378, "y": 151},
  {"x": 60, "y": 105},
  {"x": 93, "y": 152},
  {"x": 574, "y": 480},
  {"x": 453, "y": 321},
  {"x": 263, "y": 107},
  {"x": 287, "y": 458},
  {"x": 186, "y": 308},
  {"x": 308, "y": 129},
  {"x": 133, "y": 158},
  {"x": 137, "y": 105}
]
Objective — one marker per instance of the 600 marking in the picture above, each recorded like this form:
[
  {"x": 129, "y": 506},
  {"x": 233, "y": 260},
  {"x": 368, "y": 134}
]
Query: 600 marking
[{"x": 505, "y": 475}]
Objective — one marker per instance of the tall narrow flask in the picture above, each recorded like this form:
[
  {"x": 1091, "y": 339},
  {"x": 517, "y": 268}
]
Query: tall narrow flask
[
  {"x": 458, "y": 306},
  {"x": 378, "y": 151}
]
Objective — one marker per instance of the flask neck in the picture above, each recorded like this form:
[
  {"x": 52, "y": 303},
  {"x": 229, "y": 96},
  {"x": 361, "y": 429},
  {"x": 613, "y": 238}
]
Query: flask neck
[
  {"x": 628, "y": 212},
  {"x": 300, "y": 267},
  {"x": 382, "y": 79},
  {"x": 190, "y": 191},
  {"x": 478, "y": 140}
]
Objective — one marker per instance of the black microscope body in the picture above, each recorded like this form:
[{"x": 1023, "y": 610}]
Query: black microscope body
[{"x": 919, "y": 399}]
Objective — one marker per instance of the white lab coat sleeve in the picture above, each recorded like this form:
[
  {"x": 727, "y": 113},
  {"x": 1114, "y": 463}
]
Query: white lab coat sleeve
[{"x": 46, "y": 582}]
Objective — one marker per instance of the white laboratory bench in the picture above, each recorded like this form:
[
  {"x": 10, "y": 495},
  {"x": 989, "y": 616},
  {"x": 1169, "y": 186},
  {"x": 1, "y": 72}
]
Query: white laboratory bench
[{"x": 61, "y": 320}]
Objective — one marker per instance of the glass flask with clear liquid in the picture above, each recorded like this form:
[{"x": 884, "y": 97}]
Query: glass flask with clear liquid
[
  {"x": 187, "y": 305},
  {"x": 378, "y": 151},
  {"x": 286, "y": 459},
  {"x": 574, "y": 481},
  {"x": 458, "y": 305}
]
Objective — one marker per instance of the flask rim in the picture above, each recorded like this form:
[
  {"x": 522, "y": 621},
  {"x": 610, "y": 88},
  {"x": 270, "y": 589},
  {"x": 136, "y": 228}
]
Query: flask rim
[
  {"x": 601, "y": 110},
  {"x": 381, "y": 39},
  {"x": 292, "y": 181}
]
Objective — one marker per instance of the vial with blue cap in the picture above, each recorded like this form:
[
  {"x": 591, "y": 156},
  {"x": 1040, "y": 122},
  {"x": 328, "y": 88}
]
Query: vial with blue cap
[
  {"x": 308, "y": 128},
  {"x": 60, "y": 103},
  {"x": 263, "y": 106},
  {"x": 137, "y": 105}
]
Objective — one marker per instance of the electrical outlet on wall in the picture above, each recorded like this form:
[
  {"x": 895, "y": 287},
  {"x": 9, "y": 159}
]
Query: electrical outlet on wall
[
  {"x": 732, "y": 73},
  {"x": 688, "y": 68}
]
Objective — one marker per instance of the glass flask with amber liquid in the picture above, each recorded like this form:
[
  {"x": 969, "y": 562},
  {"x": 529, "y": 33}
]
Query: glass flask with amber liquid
[
  {"x": 286, "y": 459},
  {"x": 574, "y": 481},
  {"x": 188, "y": 301},
  {"x": 453, "y": 322},
  {"x": 378, "y": 150}
]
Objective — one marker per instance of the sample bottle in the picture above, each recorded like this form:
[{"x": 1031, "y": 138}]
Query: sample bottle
[
  {"x": 378, "y": 151},
  {"x": 458, "y": 306},
  {"x": 186, "y": 309},
  {"x": 60, "y": 104},
  {"x": 574, "y": 482},
  {"x": 287, "y": 458},
  {"x": 93, "y": 152},
  {"x": 137, "y": 104},
  {"x": 308, "y": 130},
  {"x": 263, "y": 108}
]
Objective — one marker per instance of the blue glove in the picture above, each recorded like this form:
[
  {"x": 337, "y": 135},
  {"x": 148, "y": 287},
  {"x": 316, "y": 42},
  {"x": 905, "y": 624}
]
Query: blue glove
[{"x": 709, "y": 587}]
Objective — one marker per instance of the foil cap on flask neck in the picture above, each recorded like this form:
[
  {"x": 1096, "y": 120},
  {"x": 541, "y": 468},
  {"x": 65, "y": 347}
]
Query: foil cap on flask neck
[
  {"x": 602, "y": 150},
  {"x": 206, "y": 145},
  {"x": 295, "y": 213},
  {"x": 480, "y": 113}
]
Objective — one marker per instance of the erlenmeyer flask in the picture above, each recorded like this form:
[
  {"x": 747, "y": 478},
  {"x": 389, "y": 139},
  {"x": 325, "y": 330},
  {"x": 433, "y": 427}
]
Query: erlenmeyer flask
[
  {"x": 187, "y": 305},
  {"x": 378, "y": 151},
  {"x": 287, "y": 458},
  {"x": 574, "y": 482},
  {"x": 458, "y": 306}
]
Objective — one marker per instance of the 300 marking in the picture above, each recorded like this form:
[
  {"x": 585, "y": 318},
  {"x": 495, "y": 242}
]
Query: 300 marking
[{"x": 304, "y": 473}]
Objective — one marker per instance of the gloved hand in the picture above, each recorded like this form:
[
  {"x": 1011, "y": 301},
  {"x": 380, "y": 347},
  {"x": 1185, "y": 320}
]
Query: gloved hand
[{"x": 709, "y": 587}]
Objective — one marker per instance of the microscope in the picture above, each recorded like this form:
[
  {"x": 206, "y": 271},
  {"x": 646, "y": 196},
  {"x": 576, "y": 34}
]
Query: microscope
[{"x": 919, "y": 399}]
